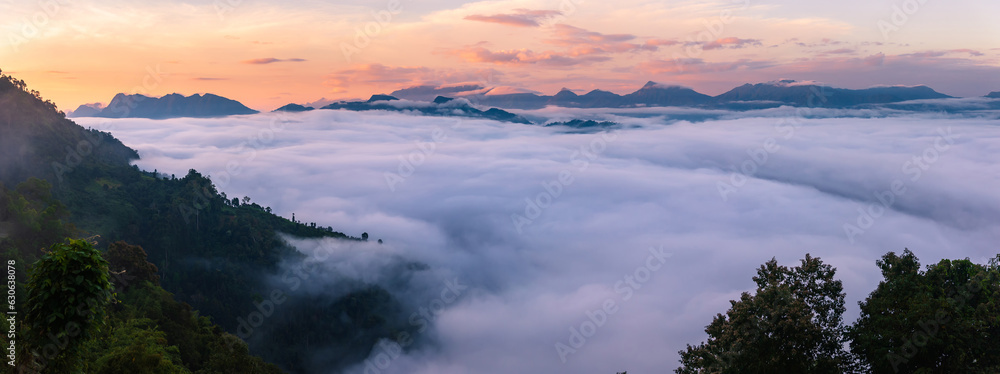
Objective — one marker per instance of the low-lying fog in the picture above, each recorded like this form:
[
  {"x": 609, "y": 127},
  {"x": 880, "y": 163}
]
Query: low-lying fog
[{"x": 662, "y": 222}]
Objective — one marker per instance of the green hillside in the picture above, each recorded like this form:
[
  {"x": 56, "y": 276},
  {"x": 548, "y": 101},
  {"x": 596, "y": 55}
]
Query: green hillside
[{"x": 212, "y": 252}]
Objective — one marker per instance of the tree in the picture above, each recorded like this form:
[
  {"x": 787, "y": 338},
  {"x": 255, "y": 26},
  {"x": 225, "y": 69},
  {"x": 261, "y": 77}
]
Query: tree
[
  {"x": 129, "y": 266},
  {"x": 67, "y": 294},
  {"x": 792, "y": 324},
  {"x": 945, "y": 319},
  {"x": 364, "y": 236},
  {"x": 137, "y": 347}
]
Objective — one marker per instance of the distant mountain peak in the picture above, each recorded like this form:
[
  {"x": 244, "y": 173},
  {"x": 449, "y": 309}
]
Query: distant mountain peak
[
  {"x": 661, "y": 86},
  {"x": 442, "y": 99},
  {"x": 294, "y": 108},
  {"x": 792, "y": 83},
  {"x": 994, "y": 95},
  {"x": 380, "y": 97},
  {"x": 565, "y": 93},
  {"x": 171, "y": 106}
]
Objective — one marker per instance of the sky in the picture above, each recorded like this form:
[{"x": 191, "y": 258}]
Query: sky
[
  {"x": 529, "y": 231},
  {"x": 270, "y": 53}
]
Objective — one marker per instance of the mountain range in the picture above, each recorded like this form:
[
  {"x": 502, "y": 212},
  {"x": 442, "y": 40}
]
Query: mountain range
[
  {"x": 652, "y": 94},
  {"x": 478, "y": 101},
  {"x": 169, "y": 106},
  {"x": 441, "y": 106}
]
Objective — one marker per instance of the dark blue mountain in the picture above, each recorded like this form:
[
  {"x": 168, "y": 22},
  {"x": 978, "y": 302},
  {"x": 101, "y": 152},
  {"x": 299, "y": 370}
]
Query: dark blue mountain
[{"x": 172, "y": 106}]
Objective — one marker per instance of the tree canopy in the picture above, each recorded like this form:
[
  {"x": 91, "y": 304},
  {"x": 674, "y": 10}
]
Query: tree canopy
[{"x": 791, "y": 324}]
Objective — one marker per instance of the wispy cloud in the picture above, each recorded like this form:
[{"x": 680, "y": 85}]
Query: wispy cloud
[
  {"x": 271, "y": 60},
  {"x": 940, "y": 53},
  {"x": 520, "y": 17},
  {"x": 732, "y": 43}
]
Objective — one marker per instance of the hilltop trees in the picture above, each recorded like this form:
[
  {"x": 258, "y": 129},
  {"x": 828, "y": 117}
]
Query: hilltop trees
[
  {"x": 792, "y": 324},
  {"x": 945, "y": 319}
]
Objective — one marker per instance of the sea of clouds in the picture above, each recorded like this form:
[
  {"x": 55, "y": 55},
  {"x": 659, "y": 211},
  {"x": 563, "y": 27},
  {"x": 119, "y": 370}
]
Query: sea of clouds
[{"x": 552, "y": 250}]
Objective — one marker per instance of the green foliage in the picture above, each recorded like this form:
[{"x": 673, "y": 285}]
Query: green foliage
[
  {"x": 213, "y": 252},
  {"x": 945, "y": 319},
  {"x": 136, "y": 347},
  {"x": 792, "y": 324},
  {"x": 67, "y": 292},
  {"x": 128, "y": 265},
  {"x": 31, "y": 219},
  {"x": 181, "y": 337}
]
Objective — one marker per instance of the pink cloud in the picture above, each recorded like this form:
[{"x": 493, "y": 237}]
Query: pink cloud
[
  {"x": 271, "y": 60},
  {"x": 581, "y": 47},
  {"x": 840, "y": 51},
  {"x": 576, "y": 56},
  {"x": 940, "y": 53},
  {"x": 731, "y": 42},
  {"x": 391, "y": 78},
  {"x": 661, "y": 42},
  {"x": 684, "y": 66},
  {"x": 874, "y": 60},
  {"x": 520, "y": 17}
]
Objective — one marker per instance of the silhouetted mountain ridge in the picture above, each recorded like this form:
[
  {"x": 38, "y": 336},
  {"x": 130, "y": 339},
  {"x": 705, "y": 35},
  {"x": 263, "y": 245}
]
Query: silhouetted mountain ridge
[
  {"x": 441, "y": 106},
  {"x": 652, "y": 94},
  {"x": 169, "y": 106}
]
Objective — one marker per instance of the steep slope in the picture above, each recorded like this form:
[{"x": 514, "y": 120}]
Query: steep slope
[{"x": 215, "y": 253}]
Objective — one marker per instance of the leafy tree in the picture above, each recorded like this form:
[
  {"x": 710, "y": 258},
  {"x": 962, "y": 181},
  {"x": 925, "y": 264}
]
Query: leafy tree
[
  {"x": 32, "y": 218},
  {"x": 792, "y": 324},
  {"x": 129, "y": 266},
  {"x": 945, "y": 319},
  {"x": 137, "y": 347},
  {"x": 67, "y": 293}
]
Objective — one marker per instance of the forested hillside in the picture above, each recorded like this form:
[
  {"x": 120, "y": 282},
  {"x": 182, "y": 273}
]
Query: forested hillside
[{"x": 213, "y": 252}]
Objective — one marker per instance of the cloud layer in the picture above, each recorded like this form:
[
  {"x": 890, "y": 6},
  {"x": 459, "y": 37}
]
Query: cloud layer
[{"x": 666, "y": 220}]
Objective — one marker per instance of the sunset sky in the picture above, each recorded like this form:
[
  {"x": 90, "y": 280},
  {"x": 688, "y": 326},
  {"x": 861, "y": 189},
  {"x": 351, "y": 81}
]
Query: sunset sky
[{"x": 269, "y": 53}]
